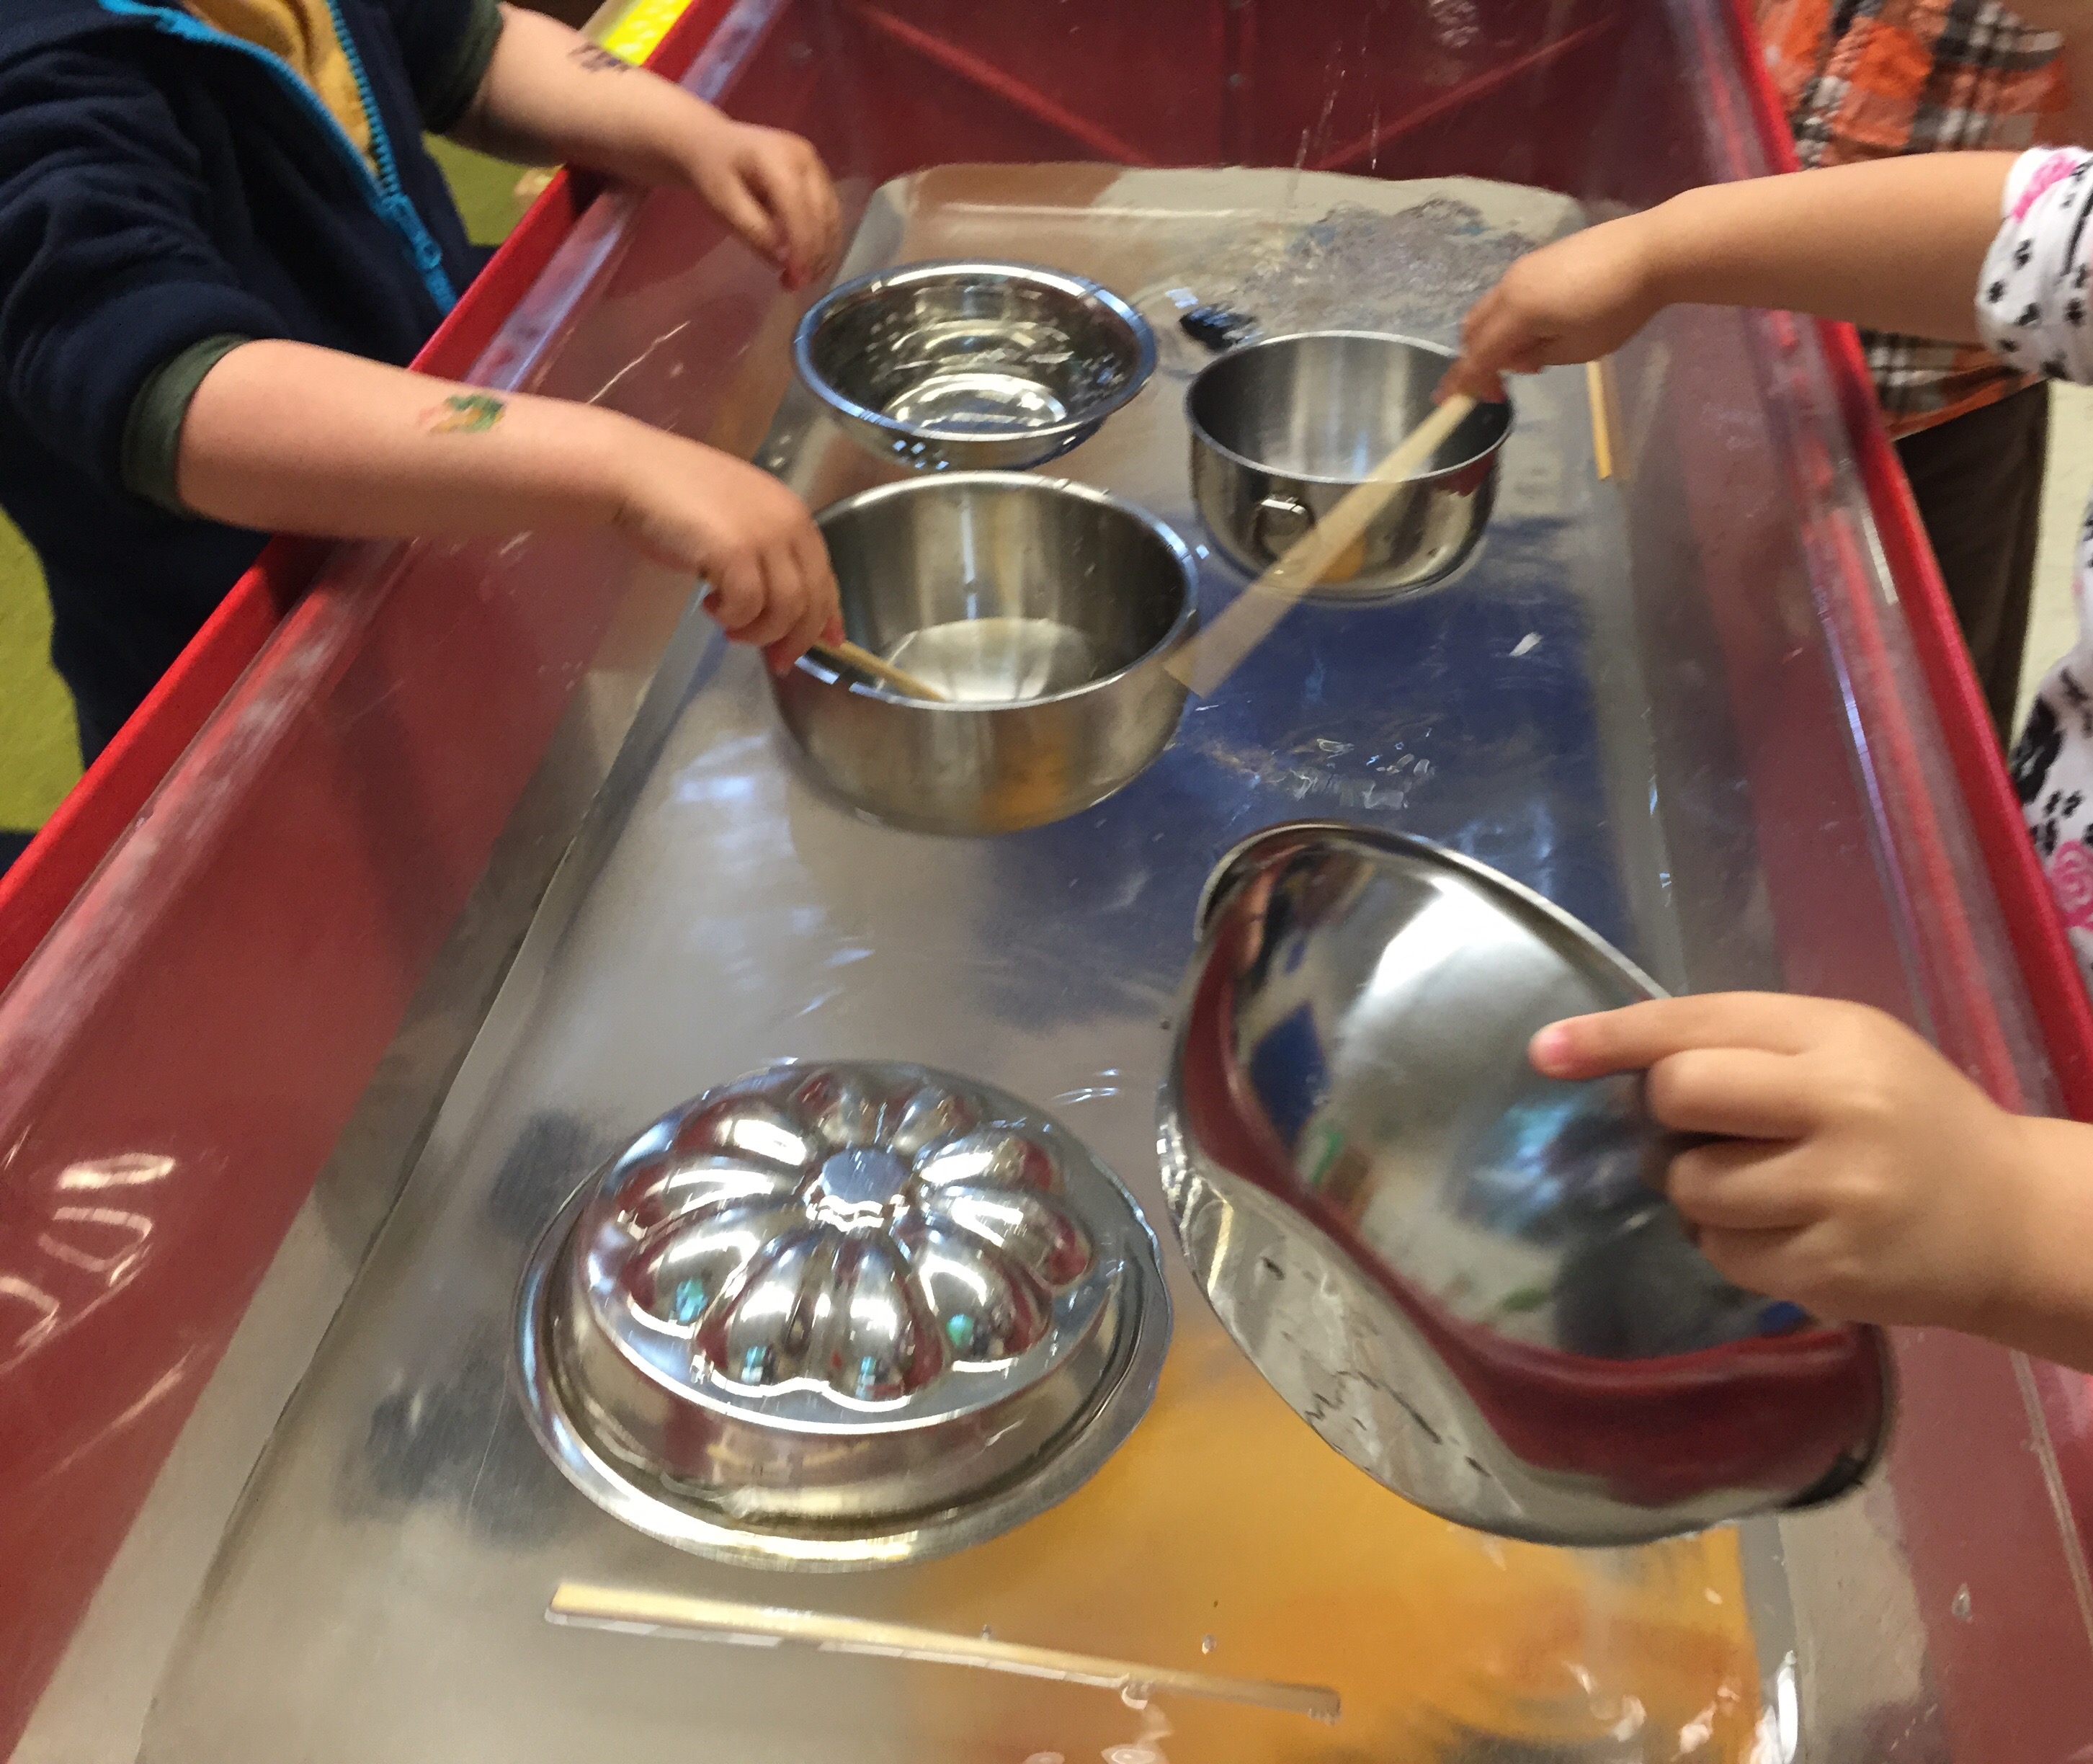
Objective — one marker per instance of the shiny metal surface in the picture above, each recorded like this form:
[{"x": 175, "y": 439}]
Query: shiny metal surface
[
  {"x": 1461, "y": 1273},
  {"x": 1282, "y": 426},
  {"x": 841, "y": 1316},
  {"x": 979, "y": 367},
  {"x": 1045, "y": 611},
  {"x": 718, "y": 913}
]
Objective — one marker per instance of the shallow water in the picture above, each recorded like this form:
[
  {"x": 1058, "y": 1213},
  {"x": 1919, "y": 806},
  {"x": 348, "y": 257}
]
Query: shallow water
[{"x": 997, "y": 660}]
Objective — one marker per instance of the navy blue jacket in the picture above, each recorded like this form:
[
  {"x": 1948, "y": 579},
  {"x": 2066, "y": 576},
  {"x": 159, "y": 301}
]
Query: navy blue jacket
[{"x": 160, "y": 185}]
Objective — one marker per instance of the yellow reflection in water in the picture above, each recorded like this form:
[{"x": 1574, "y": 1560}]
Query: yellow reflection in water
[{"x": 1225, "y": 1516}]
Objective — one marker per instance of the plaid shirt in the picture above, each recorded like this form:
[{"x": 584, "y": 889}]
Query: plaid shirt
[{"x": 1867, "y": 79}]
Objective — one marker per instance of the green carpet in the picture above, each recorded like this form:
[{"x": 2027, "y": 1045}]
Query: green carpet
[{"x": 39, "y": 751}]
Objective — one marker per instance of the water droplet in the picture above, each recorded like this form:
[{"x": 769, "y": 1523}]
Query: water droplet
[
  {"x": 1206, "y": 1644},
  {"x": 1959, "y": 1607},
  {"x": 1134, "y": 1695}
]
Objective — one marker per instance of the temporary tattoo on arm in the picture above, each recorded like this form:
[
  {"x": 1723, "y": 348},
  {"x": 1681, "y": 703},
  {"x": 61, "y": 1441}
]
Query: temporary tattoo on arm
[
  {"x": 591, "y": 58},
  {"x": 465, "y": 413}
]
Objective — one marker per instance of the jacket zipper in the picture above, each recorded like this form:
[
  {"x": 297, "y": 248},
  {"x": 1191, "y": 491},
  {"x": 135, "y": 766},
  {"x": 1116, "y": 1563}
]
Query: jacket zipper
[{"x": 379, "y": 175}]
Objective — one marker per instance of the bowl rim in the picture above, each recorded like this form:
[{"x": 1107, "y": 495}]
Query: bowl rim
[
  {"x": 1180, "y": 627},
  {"x": 1203, "y": 437},
  {"x": 936, "y": 268},
  {"x": 1231, "y": 868}
]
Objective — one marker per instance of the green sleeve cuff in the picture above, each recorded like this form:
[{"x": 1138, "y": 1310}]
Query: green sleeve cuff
[
  {"x": 450, "y": 94},
  {"x": 153, "y": 431}
]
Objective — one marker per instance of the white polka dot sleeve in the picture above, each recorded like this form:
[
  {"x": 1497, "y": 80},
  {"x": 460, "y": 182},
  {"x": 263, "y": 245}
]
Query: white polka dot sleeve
[
  {"x": 2032, "y": 308},
  {"x": 2032, "y": 303}
]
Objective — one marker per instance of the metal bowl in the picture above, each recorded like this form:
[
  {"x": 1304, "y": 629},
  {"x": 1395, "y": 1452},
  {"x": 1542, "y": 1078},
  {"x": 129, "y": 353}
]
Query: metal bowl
[
  {"x": 838, "y": 1315},
  {"x": 1282, "y": 428},
  {"x": 1458, "y": 1272},
  {"x": 973, "y": 367},
  {"x": 1046, "y": 611}
]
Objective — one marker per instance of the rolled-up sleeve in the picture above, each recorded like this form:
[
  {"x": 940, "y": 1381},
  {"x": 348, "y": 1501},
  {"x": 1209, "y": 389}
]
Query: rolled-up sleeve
[{"x": 447, "y": 45}]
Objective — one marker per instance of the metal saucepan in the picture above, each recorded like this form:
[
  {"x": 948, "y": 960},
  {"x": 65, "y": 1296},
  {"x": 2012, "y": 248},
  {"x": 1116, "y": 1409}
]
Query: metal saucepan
[
  {"x": 972, "y": 366},
  {"x": 1045, "y": 611},
  {"x": 1458, "y": 1272},
  {"x": 1282, "y": 426}
]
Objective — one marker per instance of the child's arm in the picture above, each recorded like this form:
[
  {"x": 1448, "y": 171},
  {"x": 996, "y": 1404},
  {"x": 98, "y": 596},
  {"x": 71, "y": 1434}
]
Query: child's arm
[
  {"x": 1897, "y": 244},
  {"x": 550, "y": 96},
  {"x": 1860, "y": 1173},
  {"x": 284, "y": 436}
]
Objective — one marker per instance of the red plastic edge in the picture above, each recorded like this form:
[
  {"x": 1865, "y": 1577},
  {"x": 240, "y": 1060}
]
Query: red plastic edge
[
  {"x": 1947, "y": 1380},
  {"x": 2049, "y": 969},
  {"x": 70, "y": 846}
]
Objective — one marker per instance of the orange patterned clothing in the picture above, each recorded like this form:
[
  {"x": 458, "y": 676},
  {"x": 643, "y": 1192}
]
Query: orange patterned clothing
[{"x": 1868, "y": 79}]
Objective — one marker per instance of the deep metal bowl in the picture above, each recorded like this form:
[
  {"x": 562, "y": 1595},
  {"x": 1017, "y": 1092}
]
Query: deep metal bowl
[
  {"x": 840, "y": 1315},
  {"x": 1282, "y": 428},
  {"x": 973, "y": 367},
  {"x": 1045, "y": 610},
  {"x": 1461, "y": 1273}
]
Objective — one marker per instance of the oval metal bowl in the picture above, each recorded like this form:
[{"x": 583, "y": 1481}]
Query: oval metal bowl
[
  {"x": 972, "y": 366},
  {"x": 840, "y": 1315},
  {"x": 1046, "y": 610},
  {"x": 1283, "y": 427},
  {"x": 1458, "y": 1271}
]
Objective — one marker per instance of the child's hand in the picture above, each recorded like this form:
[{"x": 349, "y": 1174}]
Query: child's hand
[
  {"x": 767, "y": 570},
  {"x": 1575, "y": 301},
  {"x": 773, "y": 189},
  {"x": 1860, "y": 1175}
]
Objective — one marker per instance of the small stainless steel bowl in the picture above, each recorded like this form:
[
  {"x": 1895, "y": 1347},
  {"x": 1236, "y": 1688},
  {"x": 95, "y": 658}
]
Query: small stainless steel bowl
[
  {"x": 1047, "y": 610},
  {"x": 1283, "y": 427},
  {"x": 972, "y": 366},
  {"x": 1460, "y": 1272},
  {"x": 841, "y": 1315}
]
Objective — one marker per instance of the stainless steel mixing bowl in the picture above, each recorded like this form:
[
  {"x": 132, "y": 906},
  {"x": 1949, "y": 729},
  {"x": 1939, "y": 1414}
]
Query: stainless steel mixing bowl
[
  {"x": 1046, "y": 610},
  {"x": 973, "y": 367},
  {"x": 841, "y": 1315},
  {"x": 1457, "y": 1271},
  {"x": 1283, "y": 427}
]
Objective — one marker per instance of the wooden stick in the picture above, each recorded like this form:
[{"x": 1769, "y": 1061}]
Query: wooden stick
[
  {"x": 1217, "y": 652},
  {"x": 1595, "y": 388},
  {"x": 651, "y": 1613},
  {"x": 855, "y": 656}
]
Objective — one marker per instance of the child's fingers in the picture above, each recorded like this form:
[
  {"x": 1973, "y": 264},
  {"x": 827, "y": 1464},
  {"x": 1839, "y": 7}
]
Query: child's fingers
[
  {"x": 1741, "y": 1092},
  {"x": 827, "y": 210},
  {"x": 737, "y": 594},
  {"x": 814, "y": 620},
  {"x": 1758, "y": 1261},
  {"x": 791, "y": 204},
  {"x": 737, "y": 206},
  {"x": 1477, "y": 382},
  {"x": 784, "y": 598},
  {"x": 1635, "y": 1038},
  {"x": 1741, "y": 1186},
  {"x": 819, "y": 574}
]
